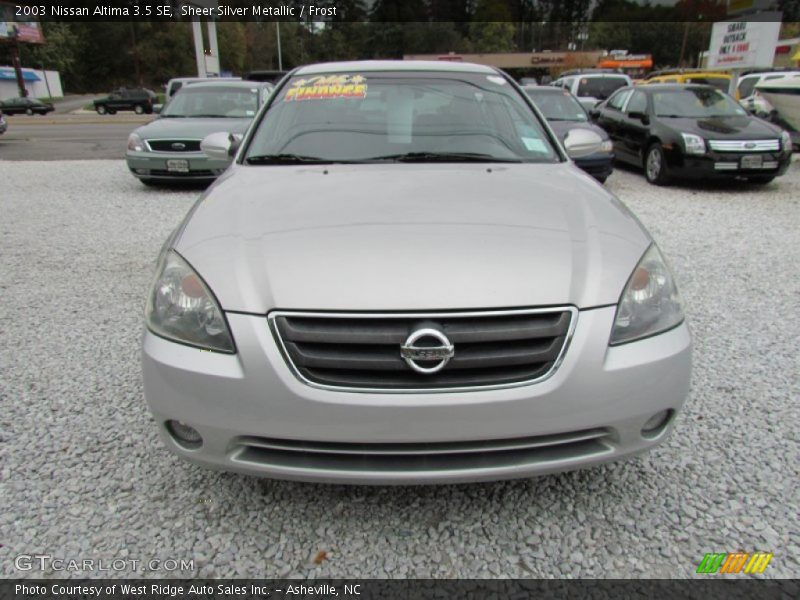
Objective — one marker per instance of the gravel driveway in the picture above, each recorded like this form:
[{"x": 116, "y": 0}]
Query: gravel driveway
[{"x": 84, "y": 475}]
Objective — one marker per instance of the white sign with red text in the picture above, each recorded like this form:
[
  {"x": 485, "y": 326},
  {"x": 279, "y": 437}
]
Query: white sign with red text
[{"x": 743, "y": 44}]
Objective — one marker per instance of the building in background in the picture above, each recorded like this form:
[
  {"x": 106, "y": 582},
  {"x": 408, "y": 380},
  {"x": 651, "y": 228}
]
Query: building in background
[{"x": 40, "y": 84}]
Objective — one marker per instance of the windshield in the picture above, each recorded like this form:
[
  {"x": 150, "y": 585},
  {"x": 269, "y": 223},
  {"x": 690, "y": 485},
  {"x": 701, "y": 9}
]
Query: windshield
[
  {"x": 695, "y": 103},
  {"x": 721, "y": 83},
  {"x": 217, "y": 101},
  {"x": 600, "y": 87},
  {"x": 425, "y": 117},
  {"x": 561, "y": 106}
]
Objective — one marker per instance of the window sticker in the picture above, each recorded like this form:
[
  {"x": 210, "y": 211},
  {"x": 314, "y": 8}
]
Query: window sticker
[
  {"x": 324, "y": 87},
  {"x": 534, "y": 144}
]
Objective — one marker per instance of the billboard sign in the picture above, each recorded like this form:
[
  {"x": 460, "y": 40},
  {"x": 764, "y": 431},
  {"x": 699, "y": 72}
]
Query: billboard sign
[
  {"x": 743, "y": 44},
  {"x": 29, "y": 32}
]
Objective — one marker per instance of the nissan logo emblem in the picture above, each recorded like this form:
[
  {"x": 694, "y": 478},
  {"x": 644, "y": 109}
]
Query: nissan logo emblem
[{"x": 442, "y": 350}]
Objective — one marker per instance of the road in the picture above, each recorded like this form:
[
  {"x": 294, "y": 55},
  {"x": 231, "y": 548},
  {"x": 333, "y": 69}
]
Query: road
[{"x": 68, "y": 136}]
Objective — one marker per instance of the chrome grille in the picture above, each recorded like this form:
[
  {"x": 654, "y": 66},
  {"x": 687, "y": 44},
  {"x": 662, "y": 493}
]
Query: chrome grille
[
  {"x": 362, "y": 351},
  {"x": 390, "y": 458},
  {"x": 745, "y": 145},
  {"x": 174, "y": 145}
]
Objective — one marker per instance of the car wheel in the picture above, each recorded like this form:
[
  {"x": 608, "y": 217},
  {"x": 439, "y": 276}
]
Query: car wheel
[
  {"x": 761, "y": 179},
  {"x": 28, "y": 111},
  {"x": 101, "y": 110},
  {"x": 602, "y": 179},
  {"x": 138, "y": 109},
  {"x": 655, "y": 165}
]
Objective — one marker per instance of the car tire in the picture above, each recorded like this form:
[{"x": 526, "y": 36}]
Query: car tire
[
  {"x": 29, "y": 111},
  {"x": 101, "y": 110},
  {"x": 761, "y": 179},
  {"x": 602, "y": 179},
  {"x": 138, "y": 109},
  {"x": 655, "y": 165}
]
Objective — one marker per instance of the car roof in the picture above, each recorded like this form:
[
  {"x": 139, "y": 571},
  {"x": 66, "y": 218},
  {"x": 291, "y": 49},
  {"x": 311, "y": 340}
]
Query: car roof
[
  {"x": 656, "y": 87},
  {"x": 238, "y": 83},
  {"x": 546, "y": 89},
  {"x": 397, "y": 65}
]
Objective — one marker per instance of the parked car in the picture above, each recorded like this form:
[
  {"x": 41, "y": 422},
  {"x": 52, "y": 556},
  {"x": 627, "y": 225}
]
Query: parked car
[
  {"x": 402, "y": 278},
  {"x": 3, "y": 123},
  {"x": 691, "y": 131},
  {"x": 139, "y": 100},
  {"x": 591, "y": 87},
  {"x": 28, "y": 106},
  {"x": 721, "y": 81},
  {"x": 564, "y": 114},
  {"x": 168, "y": 148},
  {"x": 748, "y": 95}
]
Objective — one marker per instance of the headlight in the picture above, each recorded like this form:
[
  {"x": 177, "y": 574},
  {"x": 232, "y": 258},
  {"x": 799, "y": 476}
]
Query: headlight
[
  {"x": 694, "y": 144},
  {"x": 135, "y": 143},
  {"x": 786, "y": 141},
  {"x": 650, "y": 302},
  {"x": 183, "y": 309},
  {"x": 607, "y": 146}
]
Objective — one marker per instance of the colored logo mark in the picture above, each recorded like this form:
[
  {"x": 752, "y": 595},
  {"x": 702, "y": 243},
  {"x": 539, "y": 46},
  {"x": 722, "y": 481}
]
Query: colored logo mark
[{"x": 736, "y": 562}]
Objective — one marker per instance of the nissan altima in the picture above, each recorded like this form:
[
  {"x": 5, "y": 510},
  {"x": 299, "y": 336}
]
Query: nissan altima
[{"x": 403, "y": 277}]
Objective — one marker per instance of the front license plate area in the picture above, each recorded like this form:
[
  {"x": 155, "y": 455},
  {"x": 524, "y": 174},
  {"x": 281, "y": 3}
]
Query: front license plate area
[
  {"x": 178, "y": 165},
  {"x": 752, "y": 161}
]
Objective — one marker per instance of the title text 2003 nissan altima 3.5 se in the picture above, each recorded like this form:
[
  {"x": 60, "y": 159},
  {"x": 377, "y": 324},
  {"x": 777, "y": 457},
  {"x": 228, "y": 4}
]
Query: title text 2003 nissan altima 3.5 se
[{"x": 402, "y": 278}]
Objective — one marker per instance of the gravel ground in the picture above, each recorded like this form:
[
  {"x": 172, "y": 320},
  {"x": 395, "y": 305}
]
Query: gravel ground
[{"x": 85, "y": 476}]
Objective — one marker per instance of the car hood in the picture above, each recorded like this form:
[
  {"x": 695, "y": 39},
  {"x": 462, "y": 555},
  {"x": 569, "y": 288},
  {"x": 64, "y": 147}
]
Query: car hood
[
  {"x": 561, "y": 128},
  {"x": 739, "y": 127},
  {"x": 410, "y": 237},
  {"x": 190, "y": 128}
]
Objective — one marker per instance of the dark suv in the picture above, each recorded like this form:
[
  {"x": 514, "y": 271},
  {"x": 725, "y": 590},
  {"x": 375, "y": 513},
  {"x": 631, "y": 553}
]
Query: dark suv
[{"x": 139, "y": 100}]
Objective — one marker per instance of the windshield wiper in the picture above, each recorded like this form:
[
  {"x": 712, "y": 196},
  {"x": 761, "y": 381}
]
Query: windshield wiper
[
  {"x": 285, "y": 159},
  {"x": 442, "y": 157},
  {"x": 163, "y": 116}
]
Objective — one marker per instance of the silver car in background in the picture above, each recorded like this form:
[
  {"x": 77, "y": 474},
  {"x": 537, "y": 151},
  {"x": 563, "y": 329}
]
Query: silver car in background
[
  {"x": 403, "y": 278},
  {"x": 168, "y": 148}
]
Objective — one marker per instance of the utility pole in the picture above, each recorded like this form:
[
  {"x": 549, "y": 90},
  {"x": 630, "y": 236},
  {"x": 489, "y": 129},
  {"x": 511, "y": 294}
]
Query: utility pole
[
  {"x": 683, "y": 44},
  {"x": 16, "y": 64},
  {"x": 280, "y": 58}
]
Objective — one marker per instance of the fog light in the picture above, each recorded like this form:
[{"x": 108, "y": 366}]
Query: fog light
[
  {"x": 184, "y": 434},
  {"x": 656, "y": 423}
]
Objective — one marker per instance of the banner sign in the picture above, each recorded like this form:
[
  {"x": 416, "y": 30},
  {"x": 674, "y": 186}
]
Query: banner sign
[{"x": 743, "y": 44}]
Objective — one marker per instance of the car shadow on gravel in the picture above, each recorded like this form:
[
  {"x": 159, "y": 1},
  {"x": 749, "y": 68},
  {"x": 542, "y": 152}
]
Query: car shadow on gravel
[{"x": 735, "y": 186}]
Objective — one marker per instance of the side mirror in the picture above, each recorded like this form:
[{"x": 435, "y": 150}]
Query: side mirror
[
  {"x": 635, "y": 114},
  {"x": 582, "y": 142},
  {"x": 221, "y": 145}
]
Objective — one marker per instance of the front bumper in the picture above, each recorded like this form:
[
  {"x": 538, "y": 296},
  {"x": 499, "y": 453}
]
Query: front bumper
[
  {"x": 154, "y": 165},
  {"x": 243, "y": 402},
  {"x": 725, "y": 165},
  {"x": 598, "y": 165}
]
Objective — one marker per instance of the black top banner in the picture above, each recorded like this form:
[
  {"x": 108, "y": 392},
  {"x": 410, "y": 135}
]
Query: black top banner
[{"x": 517, "y": 11}]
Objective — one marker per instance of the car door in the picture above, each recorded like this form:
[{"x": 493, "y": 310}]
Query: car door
[
  {"x": 609, "y": 117},
  {"x": 634, "y": 126}
]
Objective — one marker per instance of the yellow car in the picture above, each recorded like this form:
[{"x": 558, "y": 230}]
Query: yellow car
[{"x": 721, "y": 81}]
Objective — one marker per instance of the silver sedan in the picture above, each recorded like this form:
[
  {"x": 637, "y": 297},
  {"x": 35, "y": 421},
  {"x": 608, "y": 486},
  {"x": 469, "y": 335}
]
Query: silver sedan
[{"x": 403, "y": 277}]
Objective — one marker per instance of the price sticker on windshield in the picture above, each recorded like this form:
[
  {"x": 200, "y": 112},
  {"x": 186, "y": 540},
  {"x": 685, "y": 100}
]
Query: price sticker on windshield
[{"x": 327, "y": 87}]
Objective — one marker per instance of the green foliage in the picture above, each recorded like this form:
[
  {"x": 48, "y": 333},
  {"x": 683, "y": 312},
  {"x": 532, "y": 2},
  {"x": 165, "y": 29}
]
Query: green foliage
[{"x": 492, "y": 37}]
